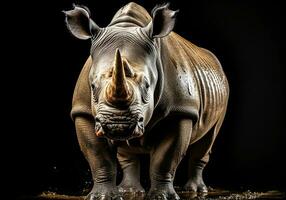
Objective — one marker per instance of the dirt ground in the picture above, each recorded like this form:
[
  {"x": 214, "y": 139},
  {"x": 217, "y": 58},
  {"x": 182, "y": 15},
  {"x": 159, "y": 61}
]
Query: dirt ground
[{"x": 214, "y": 194}]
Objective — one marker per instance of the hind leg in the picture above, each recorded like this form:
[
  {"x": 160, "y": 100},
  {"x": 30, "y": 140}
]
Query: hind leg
[
  {"x": 198, "y": 159},
  {"x": 130, "y": 165}
]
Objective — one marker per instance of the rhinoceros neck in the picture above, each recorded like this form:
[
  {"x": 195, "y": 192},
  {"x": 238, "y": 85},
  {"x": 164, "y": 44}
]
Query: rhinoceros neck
[{"x": 131, "y": 14}]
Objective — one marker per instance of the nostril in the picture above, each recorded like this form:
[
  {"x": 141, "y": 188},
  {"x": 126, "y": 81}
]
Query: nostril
[
  {"x": 97, "y": 120},
  {"x": 140, "y": 119}
]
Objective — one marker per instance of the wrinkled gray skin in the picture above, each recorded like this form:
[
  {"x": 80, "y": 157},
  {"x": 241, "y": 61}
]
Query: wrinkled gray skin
[{"x": 145, "y": 89}]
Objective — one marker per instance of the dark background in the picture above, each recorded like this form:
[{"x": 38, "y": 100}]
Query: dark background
[{"x": 46, "y": 59}]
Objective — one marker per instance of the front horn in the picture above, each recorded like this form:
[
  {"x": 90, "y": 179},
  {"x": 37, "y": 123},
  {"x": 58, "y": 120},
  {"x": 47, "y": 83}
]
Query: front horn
[{"x": 118, "y": 92}]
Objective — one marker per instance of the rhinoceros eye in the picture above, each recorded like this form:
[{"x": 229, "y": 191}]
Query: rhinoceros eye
[
  {"x": 147, "y": 84},
  {"x": 145, "y": 90},
  {"x": 92, "y": 86},
  {"x": 95, "y": 91}
]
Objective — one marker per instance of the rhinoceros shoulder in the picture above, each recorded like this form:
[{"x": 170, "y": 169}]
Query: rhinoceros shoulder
[{"x": 81, "y": 102}]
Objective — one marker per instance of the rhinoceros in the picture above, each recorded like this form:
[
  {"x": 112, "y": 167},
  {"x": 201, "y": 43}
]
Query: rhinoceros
[{"x": 145, "y": 89}]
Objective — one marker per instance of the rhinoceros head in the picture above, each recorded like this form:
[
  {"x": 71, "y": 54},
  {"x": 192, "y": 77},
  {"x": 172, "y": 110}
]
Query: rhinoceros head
[{"x": 124, "y": 75}]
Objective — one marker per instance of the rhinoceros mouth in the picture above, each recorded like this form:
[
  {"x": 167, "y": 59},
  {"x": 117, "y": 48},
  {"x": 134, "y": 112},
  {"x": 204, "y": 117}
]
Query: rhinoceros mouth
[{"x": 117, "y": 129}]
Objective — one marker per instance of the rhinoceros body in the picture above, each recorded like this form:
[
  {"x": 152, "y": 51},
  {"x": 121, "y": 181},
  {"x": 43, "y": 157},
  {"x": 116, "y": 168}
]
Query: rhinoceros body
[{"x": 168, "y": 94}]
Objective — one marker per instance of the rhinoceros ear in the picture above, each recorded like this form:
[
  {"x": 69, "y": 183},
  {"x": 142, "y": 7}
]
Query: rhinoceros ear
[
  {"x": 163, "y": 21},
  {"x": 80, "y": 24}
]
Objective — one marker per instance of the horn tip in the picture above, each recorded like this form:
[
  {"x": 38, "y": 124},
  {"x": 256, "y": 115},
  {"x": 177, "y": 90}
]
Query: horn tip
[
  {"x": 117, "y": 51},
  {"x": 117, "y": 56}
]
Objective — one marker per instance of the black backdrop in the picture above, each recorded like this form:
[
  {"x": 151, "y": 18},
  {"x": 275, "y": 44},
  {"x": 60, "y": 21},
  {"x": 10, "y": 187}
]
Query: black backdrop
[{"x": 246, "y": 37}]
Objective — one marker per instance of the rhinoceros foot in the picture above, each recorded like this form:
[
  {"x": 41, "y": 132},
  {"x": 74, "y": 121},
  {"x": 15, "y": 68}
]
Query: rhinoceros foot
[
  {"x": 196, "y": 184},
  {"x": 102, "y": 197},
  {"x": 165, "y": 192},
  {"x": 131, "y": 187},
  {"x": 104, "y": 192}
]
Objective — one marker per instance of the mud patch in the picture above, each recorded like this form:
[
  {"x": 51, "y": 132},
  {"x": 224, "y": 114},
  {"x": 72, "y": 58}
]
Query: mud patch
[{"x": 214, "y": 194}]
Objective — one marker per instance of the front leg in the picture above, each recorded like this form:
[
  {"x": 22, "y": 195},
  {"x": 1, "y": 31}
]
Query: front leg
[
  {"x": 167, "y": 152},
  {"x": 130, "y": 165},
  {"x": 101, "y": 158}
]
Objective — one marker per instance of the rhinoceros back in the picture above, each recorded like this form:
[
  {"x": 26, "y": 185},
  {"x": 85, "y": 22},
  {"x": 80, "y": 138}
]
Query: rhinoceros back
[{"x": 131, "y": 15}]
